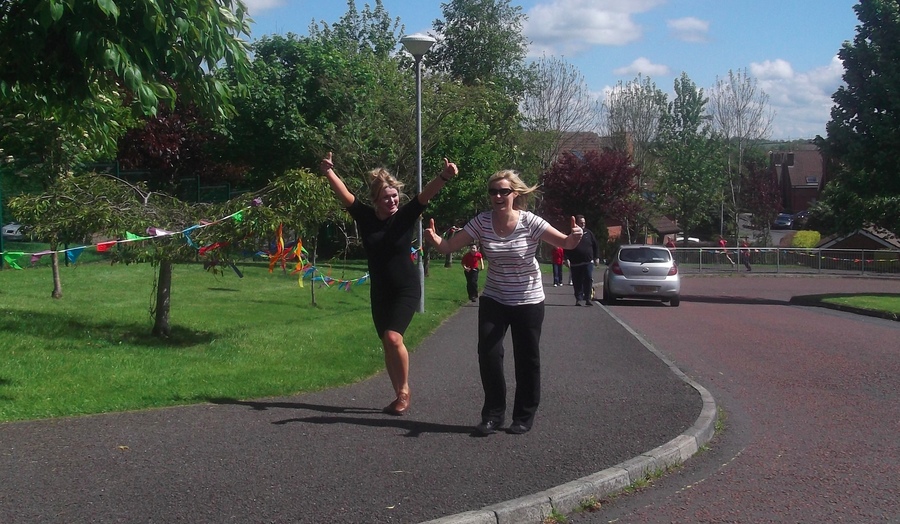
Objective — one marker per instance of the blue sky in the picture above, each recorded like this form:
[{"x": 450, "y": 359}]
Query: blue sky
[{"x": 789, "y": 46}]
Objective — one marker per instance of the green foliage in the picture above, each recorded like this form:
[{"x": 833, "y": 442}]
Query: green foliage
[
  {"x": 481, "y": 41},
  {"x": 66, "y": 53},
  {"x": 692, "y": 176},
  {"x": 865, "y": 123},
  {"x": 806, "y": 239},
  {"x": 74, "y": 208},
  {"x": 370, "y": 31},
  {"x": 309, "y": 96}
]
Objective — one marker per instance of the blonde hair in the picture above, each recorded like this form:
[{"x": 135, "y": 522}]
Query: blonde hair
[
  {"x": 516, "y": 184},
  {"x": 379, "y": 179}
]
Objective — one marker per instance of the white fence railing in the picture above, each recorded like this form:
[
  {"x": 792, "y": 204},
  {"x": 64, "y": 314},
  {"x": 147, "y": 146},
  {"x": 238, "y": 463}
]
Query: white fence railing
[{"x": 789, "y": 260}]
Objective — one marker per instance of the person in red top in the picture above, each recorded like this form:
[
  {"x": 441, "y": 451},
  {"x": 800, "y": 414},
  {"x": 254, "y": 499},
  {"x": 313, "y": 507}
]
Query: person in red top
[
  {"x": 472, "y": 263},
  {"x": 724, "y": 245},
  {"x": 557, "y": 259}
]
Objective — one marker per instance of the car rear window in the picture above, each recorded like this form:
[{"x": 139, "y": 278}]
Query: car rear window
[{"x": 644, "y": 255}]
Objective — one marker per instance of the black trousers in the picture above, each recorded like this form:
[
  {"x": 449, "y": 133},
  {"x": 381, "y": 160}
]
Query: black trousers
[
  {"x": 472, "y": 283},
  {"x": 582, "y": 280},
  {"x": 525, "y": 323}
]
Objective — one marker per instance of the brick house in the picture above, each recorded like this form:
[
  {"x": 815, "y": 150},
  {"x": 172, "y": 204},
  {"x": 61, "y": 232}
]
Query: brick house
[{"x": 801, "y": 175}]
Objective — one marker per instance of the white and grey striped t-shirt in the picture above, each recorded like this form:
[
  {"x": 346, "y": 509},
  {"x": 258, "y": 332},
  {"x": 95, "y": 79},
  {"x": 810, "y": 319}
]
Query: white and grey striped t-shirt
[{"x": 513, "y": 273}]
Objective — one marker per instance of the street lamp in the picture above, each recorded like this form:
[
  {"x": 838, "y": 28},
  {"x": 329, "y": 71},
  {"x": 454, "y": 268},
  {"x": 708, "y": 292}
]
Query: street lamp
[{"x": 417, "y": 45}]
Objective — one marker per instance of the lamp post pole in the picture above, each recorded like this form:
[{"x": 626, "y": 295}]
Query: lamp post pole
[{"x": 417, "y": 45}]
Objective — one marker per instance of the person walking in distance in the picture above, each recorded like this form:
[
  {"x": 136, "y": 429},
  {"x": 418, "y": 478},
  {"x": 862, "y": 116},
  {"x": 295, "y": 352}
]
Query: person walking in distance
[
  {"x": 386, "y": 230},
  {"x": 745, "y": 254},
  {"x": 513, "y": 296},
  {"x": 472, "y": 262},
  {"x": 581, "y": 262},
  {"x": 723, "y": 245},
  {"x": 557, "y": 258}
]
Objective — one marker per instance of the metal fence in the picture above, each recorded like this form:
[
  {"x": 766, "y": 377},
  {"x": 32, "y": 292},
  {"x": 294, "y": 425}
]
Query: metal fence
[{"x": 789, "y": 260}]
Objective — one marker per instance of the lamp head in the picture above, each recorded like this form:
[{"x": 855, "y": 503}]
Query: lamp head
[{"x": 417, "y": 44}]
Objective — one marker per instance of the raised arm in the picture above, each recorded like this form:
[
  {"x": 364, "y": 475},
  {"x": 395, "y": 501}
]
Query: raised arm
[
  {"x": 431, "y": 189},
  {"x": 337, "y": 185},
  {"x": 449, "y": 245},
  {"x": 554, "y": 237}
]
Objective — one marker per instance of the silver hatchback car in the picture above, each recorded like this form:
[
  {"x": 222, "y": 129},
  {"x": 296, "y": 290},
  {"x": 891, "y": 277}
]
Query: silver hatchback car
[{"x": 642, "y": 271}]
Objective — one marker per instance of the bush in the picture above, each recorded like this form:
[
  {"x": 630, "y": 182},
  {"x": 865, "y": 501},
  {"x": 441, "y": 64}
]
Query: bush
[{"x": 806, "y": 239}]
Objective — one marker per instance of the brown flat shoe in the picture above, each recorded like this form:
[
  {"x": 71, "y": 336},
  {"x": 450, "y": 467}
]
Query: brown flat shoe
[{"x": 398, "y": 407}]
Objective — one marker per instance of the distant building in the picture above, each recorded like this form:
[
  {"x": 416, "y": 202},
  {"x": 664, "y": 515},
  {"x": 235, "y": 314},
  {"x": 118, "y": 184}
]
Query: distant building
[{"x": 800, "y": 175}]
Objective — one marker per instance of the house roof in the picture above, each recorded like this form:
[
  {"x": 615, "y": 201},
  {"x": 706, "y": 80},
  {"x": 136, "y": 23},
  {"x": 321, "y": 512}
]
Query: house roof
[
  {"x": 805, "y": 167},
  {"x": 879, "y": 235},
  {"x": 664, "y": 225}
]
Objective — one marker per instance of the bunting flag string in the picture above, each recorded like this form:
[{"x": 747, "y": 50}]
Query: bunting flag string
[
  {"x": 72, "y": 253},
  {"x": 284, "y": 253}
]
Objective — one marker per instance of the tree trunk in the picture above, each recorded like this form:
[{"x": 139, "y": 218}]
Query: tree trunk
[
  {"x": 161, "y": 327},
  {"x": 448, "y": 260},
  {"x": 57, "y": 283}
]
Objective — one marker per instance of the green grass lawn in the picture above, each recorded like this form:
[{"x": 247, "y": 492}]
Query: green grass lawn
[
  {"x": 233, "y": 338},
  {"x": 874, "y": 302}
]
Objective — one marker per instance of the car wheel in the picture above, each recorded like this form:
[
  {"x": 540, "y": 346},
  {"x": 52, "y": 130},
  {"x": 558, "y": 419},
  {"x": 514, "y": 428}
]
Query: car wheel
[
  {"x": 608, "y": 297},
  {"x": 675, "y": 301}
]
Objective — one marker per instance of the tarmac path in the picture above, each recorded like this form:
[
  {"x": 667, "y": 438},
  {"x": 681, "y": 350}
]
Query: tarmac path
[
  {"x": 812, "y": 398},
  {"x": 332, "y": 456}
]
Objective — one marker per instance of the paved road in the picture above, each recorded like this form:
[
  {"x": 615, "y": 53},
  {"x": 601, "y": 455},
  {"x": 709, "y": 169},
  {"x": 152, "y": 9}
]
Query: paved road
[
  {"x": 331, "y": 456},
  {"x": 812, "y": 398}
]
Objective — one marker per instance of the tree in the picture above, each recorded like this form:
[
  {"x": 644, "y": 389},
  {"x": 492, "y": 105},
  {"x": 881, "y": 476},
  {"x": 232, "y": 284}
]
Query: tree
[
  {"x": 598, "y": 185},
  {"x": 760, "y": 194},
  {"x": 691, "y": 174},
  {"x": 558, "y": 102},
  {"x": 863, "y": 134},
  {"x": 632, "y": 114},
  {"x": 481, "y": 41},
  {"x": 309, "y": 96},
  {"x": 370, "y": 31},
  {"x": 741, "y": 116},
  {"x": 67, "y": 53},
  {"x": 70, "y": 211},
  {"x": 175, "y": 144}
]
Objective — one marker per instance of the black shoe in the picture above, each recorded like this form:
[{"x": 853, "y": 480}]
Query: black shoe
[
  {"x": 488, "y": 427},
  {"x": 577, "y": 302},
  {"x": 517, "y": 428},
  {"x": 588, "y": 302}
]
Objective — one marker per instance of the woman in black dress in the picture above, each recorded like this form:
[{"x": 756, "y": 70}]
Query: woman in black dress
[{"x": 386, "y": 229}]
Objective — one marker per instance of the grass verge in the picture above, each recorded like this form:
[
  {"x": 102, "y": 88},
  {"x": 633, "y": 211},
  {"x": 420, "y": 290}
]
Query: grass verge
[{"x": 232, "y": 338}]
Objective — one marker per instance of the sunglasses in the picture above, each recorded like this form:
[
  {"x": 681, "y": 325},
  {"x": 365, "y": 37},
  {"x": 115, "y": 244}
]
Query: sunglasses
[{"x": 503, "y": 191}]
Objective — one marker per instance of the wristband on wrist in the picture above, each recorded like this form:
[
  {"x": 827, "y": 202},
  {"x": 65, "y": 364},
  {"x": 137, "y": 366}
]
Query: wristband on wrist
[{"x": 445, "y": 179}]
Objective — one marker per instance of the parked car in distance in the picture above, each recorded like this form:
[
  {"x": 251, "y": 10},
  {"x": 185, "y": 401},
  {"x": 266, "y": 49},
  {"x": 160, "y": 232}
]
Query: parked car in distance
[
  {"x": 13, "y": 232},
  {"x": 783, "y": 221},
  {"x": 800, "y": 219},
  {"x": 642, "y": 271}
]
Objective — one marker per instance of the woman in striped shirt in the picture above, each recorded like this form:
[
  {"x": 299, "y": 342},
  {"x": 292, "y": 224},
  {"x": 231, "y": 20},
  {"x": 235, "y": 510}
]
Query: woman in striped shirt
[{"x": 513, "y": 296}]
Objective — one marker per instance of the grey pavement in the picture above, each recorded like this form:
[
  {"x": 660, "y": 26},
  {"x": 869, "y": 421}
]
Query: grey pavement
[{"x": 613, "y": 410}]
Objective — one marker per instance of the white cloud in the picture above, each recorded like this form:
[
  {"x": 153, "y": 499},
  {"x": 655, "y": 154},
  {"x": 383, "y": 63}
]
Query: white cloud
[
  {"x": 689, "y": 29},
  {"x": 802, "y": 101},
  {"x": 644, "y": 67},
  {"x": 569, "y": 27},
  {"x": 258, "y": 6}
]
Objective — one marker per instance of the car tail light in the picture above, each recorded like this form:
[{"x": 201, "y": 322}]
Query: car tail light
[
  {"x": 673, "y": 270},
  {"x": 616, "y": 269}
]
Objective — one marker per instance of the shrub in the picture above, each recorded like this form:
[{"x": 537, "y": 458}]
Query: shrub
[{"x": 806, "y": 239}]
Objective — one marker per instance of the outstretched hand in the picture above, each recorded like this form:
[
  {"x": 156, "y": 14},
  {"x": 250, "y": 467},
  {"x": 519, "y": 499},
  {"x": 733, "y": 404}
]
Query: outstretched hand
[
  {"x": 429, "y": 234},
  {"x": 577, "y": 232},
  {"x": 450, "y": 169},
  {"x": 326, "y": 164}
]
